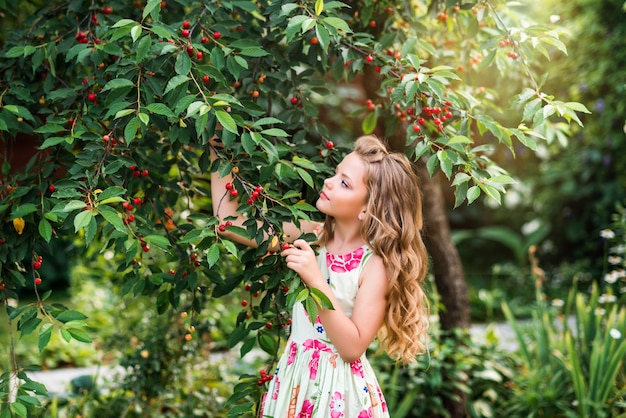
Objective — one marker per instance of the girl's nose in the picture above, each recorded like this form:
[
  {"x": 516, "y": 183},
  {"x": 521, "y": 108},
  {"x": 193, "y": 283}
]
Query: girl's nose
[{"x": 327, "y": 182}]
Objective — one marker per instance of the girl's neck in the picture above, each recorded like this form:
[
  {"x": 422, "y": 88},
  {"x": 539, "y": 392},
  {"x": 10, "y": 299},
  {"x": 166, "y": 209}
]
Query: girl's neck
[{"x": 345, "y": 238}]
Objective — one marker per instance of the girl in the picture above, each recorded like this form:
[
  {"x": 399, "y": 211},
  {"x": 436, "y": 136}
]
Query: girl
[{"x": 371, "y": 265}]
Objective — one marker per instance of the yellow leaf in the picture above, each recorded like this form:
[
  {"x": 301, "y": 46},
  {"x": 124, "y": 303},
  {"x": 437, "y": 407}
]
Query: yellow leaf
[{"x": 18, "y": 224}]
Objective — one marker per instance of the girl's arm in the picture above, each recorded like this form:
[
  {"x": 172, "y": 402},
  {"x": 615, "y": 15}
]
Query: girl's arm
[
  {"x": 350, "y": 335},
  {"x": 225, "y": 208}
]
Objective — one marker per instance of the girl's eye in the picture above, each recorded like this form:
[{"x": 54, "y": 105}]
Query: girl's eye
[{"x": 344, "y": 184}]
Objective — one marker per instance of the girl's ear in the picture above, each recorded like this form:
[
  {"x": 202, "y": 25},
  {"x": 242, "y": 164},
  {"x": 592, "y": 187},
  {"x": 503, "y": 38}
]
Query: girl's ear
[{"x": 361, "y": 215}]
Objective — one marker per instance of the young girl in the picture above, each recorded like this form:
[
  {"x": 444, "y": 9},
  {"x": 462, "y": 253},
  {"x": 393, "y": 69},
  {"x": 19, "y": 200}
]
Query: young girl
[{"x": 371, "y": 264}]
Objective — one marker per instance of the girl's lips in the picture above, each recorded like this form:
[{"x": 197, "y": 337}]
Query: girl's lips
[{"x": 323, "y": 195}]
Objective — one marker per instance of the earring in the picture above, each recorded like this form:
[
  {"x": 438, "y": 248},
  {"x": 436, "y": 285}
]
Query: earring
[{"x": 361, "y": 216}]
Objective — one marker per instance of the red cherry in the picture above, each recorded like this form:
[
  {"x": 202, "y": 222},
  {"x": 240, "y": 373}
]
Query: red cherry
[
  {"x": 286, "y": 246},
  {"x": 37, "y": 281},
  {"x": 36, "y": 265},
  {"x": 372, "y": 23},
  {"x": 146, "y": 249},
  {"x": 171, "y": 271},
  {"x": 206, "y": 78},
  {"x": 228, "y": 223},
  {"x": 185, "y": 33},
  {"x": 51, "y": 188},
  {"x": 416, "y": 128},
  {"x": 199, "y": 55},
  {"x": 222, "y": 228},
  {"x": 137, "y": 200},
  {"x": 137, "y": 173},
  {"x": 294, "y": 100},
  {"x": 314, "y": 40},
  {"x": 145, "y": 173},
  {"x": 229, "y": 186},
  {"x": 234, "y": 192},
  {"x": 369, "y": 58},
  {"x": 330, "y": 145},
  {"x": 244, "y": 303},
  {"x": 186, "y": 24},
  {"x": 91, "y": 97},
  {"x": 107, "y": 10},
  {"x": 248, "y": 286},
  {"x": 204, "y": 40},
  {"x": 217, "y": 35}
]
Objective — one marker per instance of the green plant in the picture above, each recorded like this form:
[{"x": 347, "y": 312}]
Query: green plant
[
  {"x": 564, "y": 369},
  {"x": 120, "y": 106}
]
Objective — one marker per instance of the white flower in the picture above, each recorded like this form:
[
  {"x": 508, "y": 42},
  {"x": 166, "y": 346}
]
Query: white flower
[
  {"x": 607, "y": 234},
  {"x": 615, "y": 334},
  {"x": 558, "y": 303},
  {"x": 620, "y": 273},
  {"x": 611, "y": 277},
  {"x": 556, "y": 18},
  {"x": 600, "y": 311},
  {"x": 607, "y": 298},
  {"x": 614, "y": 259}
]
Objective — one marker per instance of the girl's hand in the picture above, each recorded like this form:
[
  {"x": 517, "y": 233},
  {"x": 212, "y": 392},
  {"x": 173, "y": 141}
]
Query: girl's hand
[{"x": 301, "y": 258}]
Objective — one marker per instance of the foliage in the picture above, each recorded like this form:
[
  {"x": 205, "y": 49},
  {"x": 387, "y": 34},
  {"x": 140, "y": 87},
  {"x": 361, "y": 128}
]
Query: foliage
[
  {"x": 573, "y": 358},
  {"x": 122, "y": 99}
]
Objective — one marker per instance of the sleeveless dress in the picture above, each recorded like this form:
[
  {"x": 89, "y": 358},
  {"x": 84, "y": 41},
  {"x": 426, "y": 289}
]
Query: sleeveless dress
[{"x": 311, "y": 379}]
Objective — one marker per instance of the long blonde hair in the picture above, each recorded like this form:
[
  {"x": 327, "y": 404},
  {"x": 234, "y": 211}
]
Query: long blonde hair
[{"x": 392, "y": 227}]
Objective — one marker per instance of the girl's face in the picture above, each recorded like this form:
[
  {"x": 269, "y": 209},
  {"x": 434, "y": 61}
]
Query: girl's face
[{"x": 344, "y": 195}]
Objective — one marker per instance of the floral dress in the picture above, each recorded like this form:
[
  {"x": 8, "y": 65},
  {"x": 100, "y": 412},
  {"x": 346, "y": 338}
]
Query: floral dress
[{"x": 311, "y": 379}]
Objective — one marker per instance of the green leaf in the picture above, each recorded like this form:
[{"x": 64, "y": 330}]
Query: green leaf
[
  {"x": 14, "y": 52},
  {"x": 472, "y": 194},
  {"x": 70, "y": 315},
  {"x": 174, "y": 82},
  {"x": 113, "y": 217},
  {"x": 337, "y": 23},
  {"x": 45, "y": 229},
  {"x": 319, "y": 7},
  {"x": 304, "y": 175},
  {"x": 213, "y": 255},
  {"x": 226, "y": 121},
  {"x": 111, "y": 192},
  {"x": 160, "y": 109},
  {"x": 183, "y": 64},
  {"x": 158, "y": 240},
  {"x": 118, "y": 83},
  {"x": 56, "y": 140},
  {"x": 130, "y": 131},
  {"x": 150, "y": 7},
  {"x": 275, "y": 132},
  {"x": 311, "y": 309},
  {"x": 124, "y": 22},
  {"x": 230, "y": 247},
  {"x": 144, "y": 118},
  {"x": 19, "y": 409},
  {"x": 79, "y": 335},
  {"x": 23, "y": 210},
  {"x": 254, "y": 52},
  {"x": 135, "y": 32},
  {"x": 321, "y": 299},
  {"x": 82, "y": 219},
  {"x": 44, "y": 339},
  {"x": 369, "y": 123}
]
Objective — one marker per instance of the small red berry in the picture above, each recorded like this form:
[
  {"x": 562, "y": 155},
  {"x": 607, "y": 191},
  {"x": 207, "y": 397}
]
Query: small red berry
[
  {"x": 91, "y": 97},
  {"x": 137, "y": 201},
  {"x": 248, "y": 286},
  {"x": 199, "y": 55},
  {"x": 330, "y": 145},
  {"x": 52, "y": 188},
  {"x": 186, "y": 24},
  {"x": 107, "y": 10},
  {"x": 372, "y": 23},
  {"x": 268, "y": 325},
  {"x": 222, "y": 228},
  {"x": 294, "y": 100},
  {"x": 204, "y": 40},
  {"x": 229, "y": 186},
  {"x": 416, "y": 128},
  {"x": 228, "y": 223},
  {"x": 244, "y": 303},
  {"x": 206, "y": 78},
  {"x": 217, "y": 35},
  {"x": 234, "y": 192},
  {"x": 146, "y": 249},
  {"x": 286, "y": 246},
  {"x": 145, "y": 173},
  {"x": 171, "y": 271},
  {"x": 314, "y": 40},
  {"x": 37, "y": 281},
  {"x": 369, "y": 58},
  {"x": 36, "y": 265},
  {"x": 185, "y": 33},
  {"x": 137, "y": 173}
]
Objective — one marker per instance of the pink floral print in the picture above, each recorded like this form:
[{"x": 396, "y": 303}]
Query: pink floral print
[
  {"x": 307, "y": 410},
  {"x": 337, "y": 405},
  {"x": 357, "y": 368},
  {"x": 366, "y": 413},
  {"x": 316, "y": 346},
  {"x": 346, "y": 262},
  {"x": 293, "y": 347}
]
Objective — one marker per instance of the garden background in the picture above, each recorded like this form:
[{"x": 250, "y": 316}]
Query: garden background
[{"x": 109, "y": 252}]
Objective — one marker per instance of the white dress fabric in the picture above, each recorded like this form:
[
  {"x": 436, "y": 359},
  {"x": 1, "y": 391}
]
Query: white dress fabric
[{"x": 311, "y": 379}]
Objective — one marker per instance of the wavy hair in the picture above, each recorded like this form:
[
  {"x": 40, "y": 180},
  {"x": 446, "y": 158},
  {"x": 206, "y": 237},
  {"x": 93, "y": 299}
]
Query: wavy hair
[{"x": 392, "y": 226}]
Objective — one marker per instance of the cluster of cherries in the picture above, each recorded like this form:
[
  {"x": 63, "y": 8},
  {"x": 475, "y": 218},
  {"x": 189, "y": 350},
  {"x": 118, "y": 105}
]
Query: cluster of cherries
[
  {"x": 36, "y": 266},
  {"x": 137, "y": 172},
  {"x": 129, "y": 207},
  {"x": 264, "y": 377}
]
